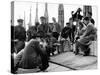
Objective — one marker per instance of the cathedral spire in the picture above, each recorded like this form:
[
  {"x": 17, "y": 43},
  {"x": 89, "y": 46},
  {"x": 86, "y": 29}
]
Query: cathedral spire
[
  {"x": 61, "y": 15},
  {"x": 30, "y": 21},
  {"x": 24, "y": 21},
  {"x": 87, "y": 10},
  {"x": 46, "y": 12},
  {"x": 36, "y": 17}
]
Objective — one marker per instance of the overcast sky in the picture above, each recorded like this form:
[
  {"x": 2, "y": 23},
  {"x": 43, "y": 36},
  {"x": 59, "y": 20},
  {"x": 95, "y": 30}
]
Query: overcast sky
[{"x": 21, "y": 7}]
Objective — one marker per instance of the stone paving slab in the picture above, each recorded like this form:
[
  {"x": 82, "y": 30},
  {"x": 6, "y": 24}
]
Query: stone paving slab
[
  {"x": 56, "y": 68},
  {"x": 66, "y": 59},
  {"x": 79, "y": 62},
  {"x": 52, "y": 68}
]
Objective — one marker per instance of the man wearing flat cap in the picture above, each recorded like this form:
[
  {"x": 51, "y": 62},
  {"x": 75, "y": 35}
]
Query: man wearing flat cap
[
  {"x": 20, "y": 35},
  {"x": 43, "y": 27}
]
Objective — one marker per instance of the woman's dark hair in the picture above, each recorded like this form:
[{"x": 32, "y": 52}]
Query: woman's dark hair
[{"x": 92, "y": 21}]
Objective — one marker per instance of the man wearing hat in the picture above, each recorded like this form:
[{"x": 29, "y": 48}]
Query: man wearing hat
[
  {"x": 43, "y": 27},
  {"x": 20, "y": 36}
]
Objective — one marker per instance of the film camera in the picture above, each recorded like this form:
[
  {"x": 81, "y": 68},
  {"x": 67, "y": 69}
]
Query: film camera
[{"x": 76, "y": 15}]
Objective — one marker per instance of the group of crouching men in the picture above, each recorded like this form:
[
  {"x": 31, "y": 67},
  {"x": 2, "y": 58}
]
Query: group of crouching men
[{"x": 33, "y": 51}]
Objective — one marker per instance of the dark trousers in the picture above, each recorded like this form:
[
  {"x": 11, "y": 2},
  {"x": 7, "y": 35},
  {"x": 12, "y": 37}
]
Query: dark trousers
[
  {"x": 84, "y": 48},
  {"x": 44, "y": 60},
  {"x": 71, "y": 36},
  {"x": 50, "y": 50}
]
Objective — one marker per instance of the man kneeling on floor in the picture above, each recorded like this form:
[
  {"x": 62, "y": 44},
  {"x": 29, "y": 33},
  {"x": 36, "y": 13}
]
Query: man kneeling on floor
[{"x": 86, "y": 38}]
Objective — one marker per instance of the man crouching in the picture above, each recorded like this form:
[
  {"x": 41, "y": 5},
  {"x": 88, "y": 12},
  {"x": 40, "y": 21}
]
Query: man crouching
[{"x": 85, "y": 39}]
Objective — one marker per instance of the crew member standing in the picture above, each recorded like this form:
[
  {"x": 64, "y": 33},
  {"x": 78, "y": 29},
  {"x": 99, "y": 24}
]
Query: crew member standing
[
  {"x": 19, "y": 36},
  {"x": 88, "y": 36},
  {"x": 73, "y": 30},
  {"x": 56, "y": 28}
]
